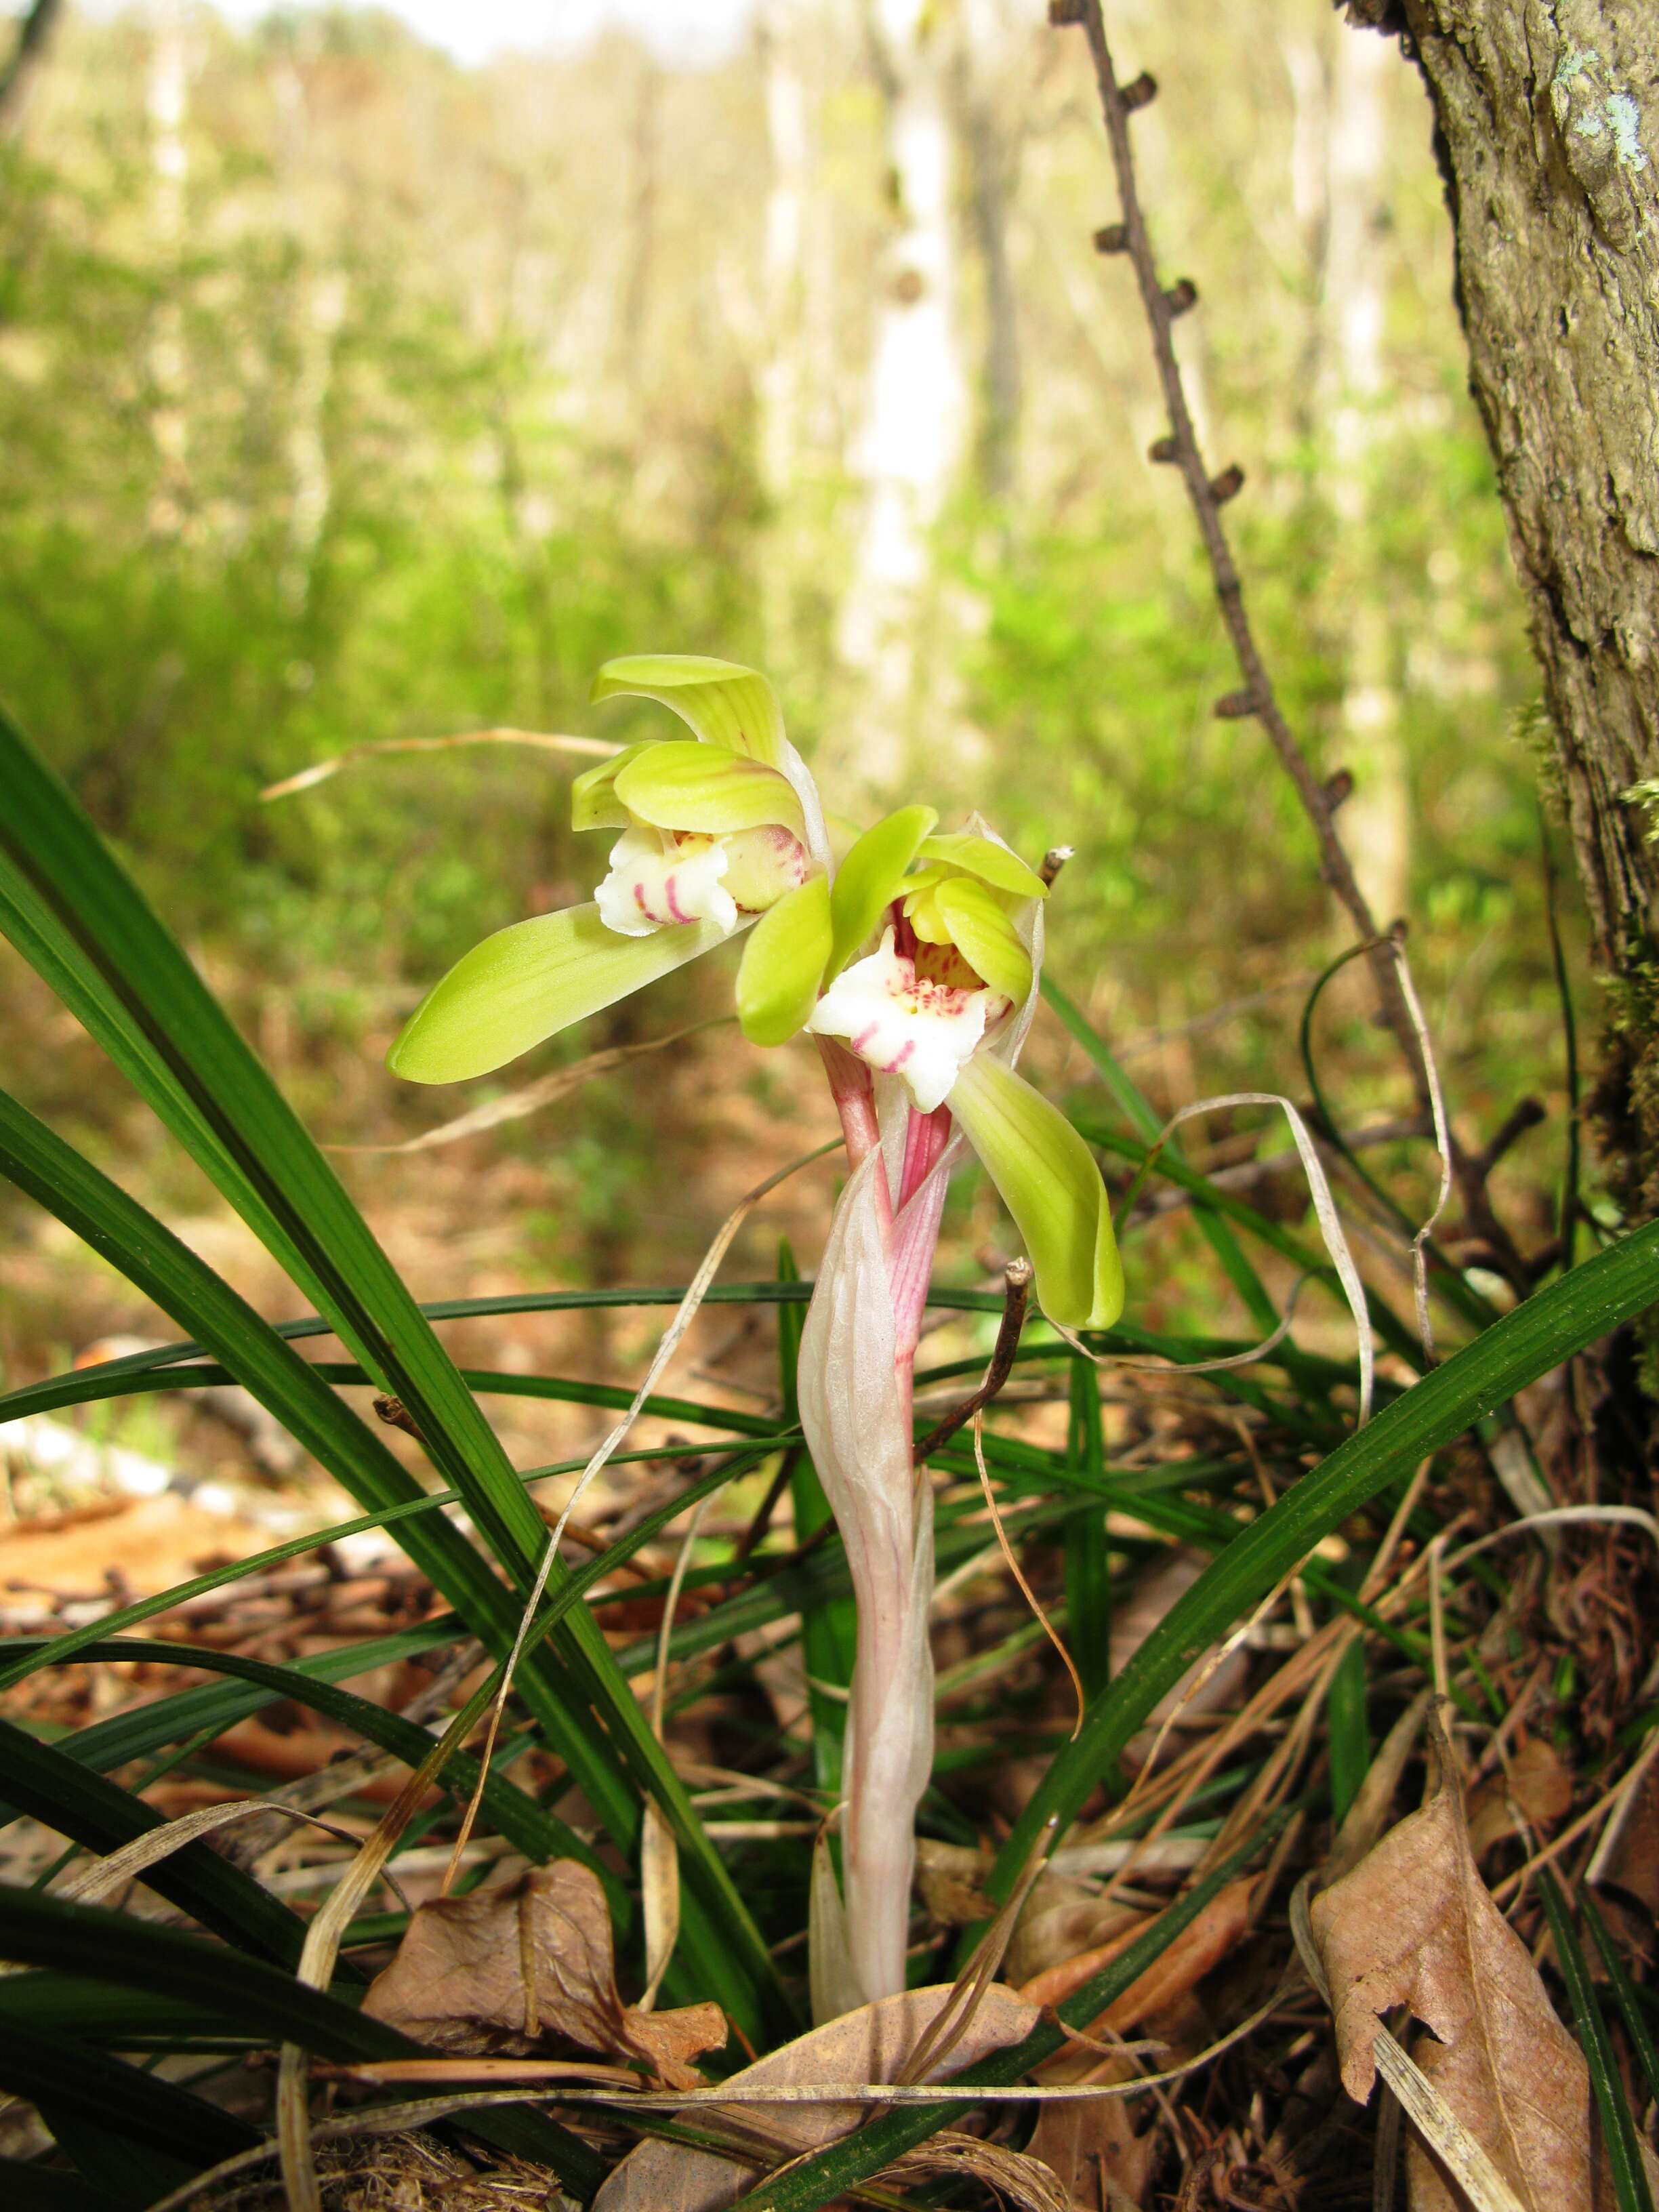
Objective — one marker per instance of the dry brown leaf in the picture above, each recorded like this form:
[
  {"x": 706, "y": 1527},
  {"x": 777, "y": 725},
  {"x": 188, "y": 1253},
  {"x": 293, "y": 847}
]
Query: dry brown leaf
[
  {"x": 1414, "y": 1925},
  {"x": 1627, "y": 1858},
  {"x": 951, "y": 1878},
  {"x": 1202, "y": 1944},
  {"x": 1095, "y": 2153},
  {"x": 504, "y": 1970},
  {"x": 1132, "y": 1622},
  {"x": 1538, "y": 1785},
  {"x": 1063, "y": 1920},
  {"x": 871, "y": 2045}
]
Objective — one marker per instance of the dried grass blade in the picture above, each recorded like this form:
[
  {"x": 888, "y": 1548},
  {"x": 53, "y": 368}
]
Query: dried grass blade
[
  {"x": 1324, "y": 1205},
  {"x": 515, "y": 1105},
  {"x": 660, "y": 1859},
  {"x": 94, "y": 1883},
  {"x": 952, "y": 2022},
  {"x": 1442, "y": 1146},
  {"x": 308, "y": 779},
  {"x": 684, "y": 1315}
]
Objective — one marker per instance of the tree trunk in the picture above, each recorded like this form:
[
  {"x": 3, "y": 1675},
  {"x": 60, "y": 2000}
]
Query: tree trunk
[
  {"x": 1354, "y": 299},
  {"x": 167, "y": 104},
  {"x": 23, "y": 64},
  {"x": 916, "y": 413},
  {"x": 1547, "y": 124}
]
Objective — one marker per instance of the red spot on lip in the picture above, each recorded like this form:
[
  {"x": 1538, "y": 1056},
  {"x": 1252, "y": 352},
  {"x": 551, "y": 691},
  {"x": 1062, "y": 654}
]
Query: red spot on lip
[
  {"x": 673, "y": 904},
  {"x": 863, "y": 1037},
  {"x": 639, "y": 901},
  {"x": 904, "y": 1053}
]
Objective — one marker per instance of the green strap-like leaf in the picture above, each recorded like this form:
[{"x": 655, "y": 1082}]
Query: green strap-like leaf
[
  {"x": 1048, "y": 1180},
  {"x": 724, "y": 704},
  {"x": 1547, "y": 1328},
  {"x": 983, "y": 934},
  {"x": 43, "y": 1781},
  {"x": 114, "y": 1947},
  {"x": 577, "y": 1693},
  {"x": 984, "y": 857},
  {"x": 82, "y": 2084},
  {"x": 783, "y": 963},
  {"x": 868, "y": 879},
  {"x": 527, "y": 983},
  {"x": 681, "y": 785}
]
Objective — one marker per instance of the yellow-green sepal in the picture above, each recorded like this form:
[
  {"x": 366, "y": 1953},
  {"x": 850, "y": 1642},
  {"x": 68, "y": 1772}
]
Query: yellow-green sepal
[
  {"x": 682, "y": 785},
  {"x": 1047, "y": 1178},
  {"x": 528, "y": 982},
  {"x": 984, "y": 857},
  {"x": 724, "y": 704},
  {"x": 783, "y": 964},
  {"x": 986, "y": 939},
  {"x": 871, "y": 877},
  {"x": 593, "y": 801}
]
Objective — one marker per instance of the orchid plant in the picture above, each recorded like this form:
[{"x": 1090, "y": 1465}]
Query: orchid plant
[{"x": 914, "y": 964}]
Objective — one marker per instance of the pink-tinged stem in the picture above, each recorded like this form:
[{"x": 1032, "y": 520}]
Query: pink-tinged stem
[
  {"x": 915, "y": 1238},
  {"x": 854, "y": 1094},
  {"x": 925, "y": 1137},
  {"x": 862, "y": 1328}
]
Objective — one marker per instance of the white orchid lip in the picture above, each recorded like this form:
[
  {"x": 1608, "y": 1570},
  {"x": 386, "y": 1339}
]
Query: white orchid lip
[
  {"x": 906, "y": 1025},
  {"x": 660, "y": 881}
]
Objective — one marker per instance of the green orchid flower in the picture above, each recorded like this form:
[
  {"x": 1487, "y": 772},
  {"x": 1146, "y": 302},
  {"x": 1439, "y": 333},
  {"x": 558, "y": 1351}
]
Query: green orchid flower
[
  {"x": 918, "y": 953},
  {"x": 720, "y": 832}
]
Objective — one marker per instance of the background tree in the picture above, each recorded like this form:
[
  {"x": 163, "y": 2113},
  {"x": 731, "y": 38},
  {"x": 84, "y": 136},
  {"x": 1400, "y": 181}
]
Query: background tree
[{"x": 1547, "y": 121}]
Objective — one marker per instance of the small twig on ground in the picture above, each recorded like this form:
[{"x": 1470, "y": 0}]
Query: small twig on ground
[{"x": 1017, "y": 1291}]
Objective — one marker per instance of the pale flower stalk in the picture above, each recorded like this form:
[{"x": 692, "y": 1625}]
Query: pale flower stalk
[{"x": 914, "y": 964}]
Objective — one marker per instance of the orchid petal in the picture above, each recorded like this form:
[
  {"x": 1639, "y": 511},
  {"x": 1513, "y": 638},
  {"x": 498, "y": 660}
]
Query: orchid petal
[
  {"x": 527, "y": 983},
  {"x": 726, "y": 704},
  {"x": 681, "y": 785},
  {"x": 593, "y": 801},
  {"x": 783, "y": 963},
  {"x": 981, "y": 932},
  {"x": 871, "y": 877},
  {"x": 1048, "y": 1180},
  {"x": 763, "y": 864},
  {"x": 988, "y": 858},
  {"x": 902, "y": 1024},
  {"x": 658, "y": 883}
]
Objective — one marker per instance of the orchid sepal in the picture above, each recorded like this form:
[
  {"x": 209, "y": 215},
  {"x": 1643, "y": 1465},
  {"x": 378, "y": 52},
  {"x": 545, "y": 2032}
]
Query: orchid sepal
[
  {"x": 593, "y": 801},
  {"x": 724, "y": 704},
  {"x": 783, "y": 963},
  {"x": 704, "y": 789},
  {"x": 1047, "y": 1177},
  {"x": 527, "y": 983},
  {"x": 981, "y": 932},
  {"x": 871, "y": 877},
  {"x": 988, "y": 858}
]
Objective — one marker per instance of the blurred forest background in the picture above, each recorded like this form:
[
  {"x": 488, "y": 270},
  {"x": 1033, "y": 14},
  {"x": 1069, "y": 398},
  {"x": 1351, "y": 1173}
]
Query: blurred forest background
[{"x": 349, "y": 394}]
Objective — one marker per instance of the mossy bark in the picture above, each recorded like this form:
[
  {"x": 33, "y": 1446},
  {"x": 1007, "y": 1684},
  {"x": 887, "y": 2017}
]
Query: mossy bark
[{"x": 1547, "y": 121}]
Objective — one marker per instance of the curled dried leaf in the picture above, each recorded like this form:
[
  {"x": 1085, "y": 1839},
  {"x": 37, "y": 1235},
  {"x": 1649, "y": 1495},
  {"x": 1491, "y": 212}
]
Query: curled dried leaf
[
  {"x": 872, "y": 2044},
  {"x": 506, "y": 1970},
  {"x": 1414, "y": 1925}
]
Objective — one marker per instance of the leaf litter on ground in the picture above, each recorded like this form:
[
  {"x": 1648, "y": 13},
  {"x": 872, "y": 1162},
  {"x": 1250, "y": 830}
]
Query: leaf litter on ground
[
  {"x": 1412, "y": 1925},
  {"x": 512, "y": 1970}
]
